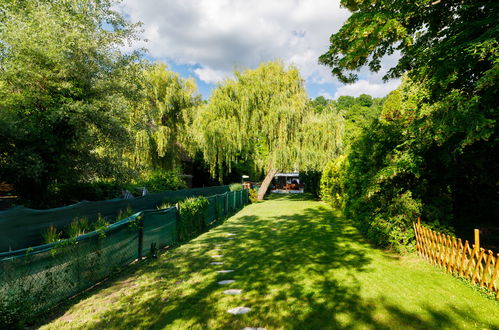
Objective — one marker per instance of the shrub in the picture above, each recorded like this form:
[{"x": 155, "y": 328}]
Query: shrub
[
  {"x": 78, "y": 227},
  {"x": 312, "y": 180},
  {"x": 253, "y": 195},
  {"x": 331, "y": 184},
  {"x": 51, "y": 235},
  {"x": 122, "y": 214},
  {"x": 192, "y": 213},
  {"x": 235, "y": 186},
  {"x": 159, "y": 181},
  {"x": 100, "y": 223}
]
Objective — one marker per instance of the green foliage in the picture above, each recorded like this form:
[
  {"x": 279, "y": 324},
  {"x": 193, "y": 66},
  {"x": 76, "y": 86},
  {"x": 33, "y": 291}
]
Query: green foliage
[
  {"x": 65, "y": 88},
  {"x": 160, "y": 120},
  {"x": 78, "y": 227},
  {"x": 253, "y": 195},
  {"x": 100, "y": 223},
  {"x": 122, "y": 214},
  {"x": 161, "y": 180},
  {"x": 165, "y": 205},
  {"x": 312, "y": 180},
  {"x": 431, "y": 151},
  {"x": 191, "y": 222},
  {"x": 51, "y": 235},
  {"x": 331, "y": 184},
  {"x": 235, "y": 186},
  {"x": 262, "y": 116}
]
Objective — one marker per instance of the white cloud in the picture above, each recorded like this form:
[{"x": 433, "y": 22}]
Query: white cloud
[
  {"x": 366, "y": 87},
  {"x": 221, "y": 34},
  {"x": 211, "y": 76},
  {"x": 218, "y": 35},
  {"x": 325, "y": 94}
]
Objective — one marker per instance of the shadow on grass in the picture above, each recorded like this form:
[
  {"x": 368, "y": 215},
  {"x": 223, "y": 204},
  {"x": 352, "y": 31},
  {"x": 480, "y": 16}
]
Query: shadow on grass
[{"x": 283, "y": 263}]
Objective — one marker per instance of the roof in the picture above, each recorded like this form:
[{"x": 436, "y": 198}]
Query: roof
[{"x": 294, "y": 174}]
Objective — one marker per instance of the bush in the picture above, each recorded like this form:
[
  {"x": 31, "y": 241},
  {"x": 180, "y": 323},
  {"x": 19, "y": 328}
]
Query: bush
[
  {"x": 78, "y": 227},
  {"x": 312, "y": 180},
  {"x": 51, "y": 235},
  {"x": 235, "y": 186},
  {"x": 122, "y": 214},
  {"x": 331, "y": 185},
  {"x": 253, "y": 195},
  {"x": 159, "y": 181},
  {"x": 192, "y": 213}
]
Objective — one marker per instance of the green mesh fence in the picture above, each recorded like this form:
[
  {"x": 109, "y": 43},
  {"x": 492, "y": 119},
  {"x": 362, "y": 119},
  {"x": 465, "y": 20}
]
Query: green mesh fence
[
  {"x": 22, "y": 227},
  {"x": 33, "y": 282},
  {"x": 35, "y": 279},
  {"x": 159, "y": 229}
]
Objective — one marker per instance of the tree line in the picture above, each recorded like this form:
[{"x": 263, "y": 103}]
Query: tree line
[{"x": 77, "y": 109}]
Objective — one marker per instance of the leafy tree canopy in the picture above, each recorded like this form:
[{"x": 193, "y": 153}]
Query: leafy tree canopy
[
  {"x": 65, "y": 88},
  {"x": 159, "y": 123},
  {"x": 262, "y": 115}
]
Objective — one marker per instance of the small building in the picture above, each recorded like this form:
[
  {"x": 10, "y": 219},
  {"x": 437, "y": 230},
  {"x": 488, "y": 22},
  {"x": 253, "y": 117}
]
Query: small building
[{"x": 287, "y": 183}]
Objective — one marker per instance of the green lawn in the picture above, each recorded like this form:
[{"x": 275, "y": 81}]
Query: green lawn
[{"x": 300, "y": 265}]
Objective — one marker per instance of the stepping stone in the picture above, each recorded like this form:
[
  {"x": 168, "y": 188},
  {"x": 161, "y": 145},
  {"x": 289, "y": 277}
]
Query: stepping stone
[
  {"x": 239, "y": 310},
  {"x": 217, "y": 256},
  {"x": 231, "y": 234},
  {"x": 233, "y": 291},
  {"x": 225, "y": 271},
  {"x": 216, "y": 263},
  {"x": 226, "y": 282}
]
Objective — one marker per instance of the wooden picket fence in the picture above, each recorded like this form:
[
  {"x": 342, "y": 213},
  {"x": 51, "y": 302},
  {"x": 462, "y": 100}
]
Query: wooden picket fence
[{"x": 469, "y": 261}]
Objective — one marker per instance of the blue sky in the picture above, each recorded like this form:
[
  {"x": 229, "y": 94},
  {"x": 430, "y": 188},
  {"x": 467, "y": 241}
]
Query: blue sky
[{"x": 206, "y": 39}]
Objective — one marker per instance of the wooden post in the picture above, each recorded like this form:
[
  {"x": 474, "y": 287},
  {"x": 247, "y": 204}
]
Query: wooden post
[{"x": 477, "y": 239}]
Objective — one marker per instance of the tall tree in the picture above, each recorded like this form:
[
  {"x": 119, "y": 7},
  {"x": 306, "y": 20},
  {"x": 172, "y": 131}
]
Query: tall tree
[
  {"x": 161, "y": 118},
  {"x": 65, "y": 89},
  {"x": 430, "y": 153},
  {"x": 263, "y": 115}
]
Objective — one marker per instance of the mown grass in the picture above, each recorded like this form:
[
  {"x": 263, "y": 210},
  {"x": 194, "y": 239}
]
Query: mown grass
[{"x": 300, "y": 265}]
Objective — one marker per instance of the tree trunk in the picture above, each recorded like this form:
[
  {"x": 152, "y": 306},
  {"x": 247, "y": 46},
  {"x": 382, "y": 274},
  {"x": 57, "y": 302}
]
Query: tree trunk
[{"x": 266, "y": 182}]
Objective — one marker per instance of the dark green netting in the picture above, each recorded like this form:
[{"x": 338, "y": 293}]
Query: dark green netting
[
  {"x": 38, "y": 280},
  {"x": 210, "y": 214},
  {"x": 159, "y": 228},
  {"x": 35, "y": 279},
  {"x": 22, "y": 227},
  {"x": 232, "y": 201}
]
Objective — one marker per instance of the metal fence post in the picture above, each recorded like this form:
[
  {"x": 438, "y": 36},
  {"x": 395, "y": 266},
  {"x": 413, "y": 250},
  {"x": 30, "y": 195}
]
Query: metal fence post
[
  {"x": 141, "y": 237},
  {"x": 226, "y": 203},
  {"x": 180, "y": 235},
  {"x": 216, "y": 207}
]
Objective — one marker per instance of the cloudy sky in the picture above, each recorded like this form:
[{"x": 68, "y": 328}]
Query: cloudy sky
[{"x": 207, "y": 39}]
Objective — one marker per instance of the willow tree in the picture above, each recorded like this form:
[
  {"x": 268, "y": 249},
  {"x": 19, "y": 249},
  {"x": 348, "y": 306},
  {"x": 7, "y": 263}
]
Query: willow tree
[
  {"x": 160, "y": 120},
  {"x": 263, "y": 115}
]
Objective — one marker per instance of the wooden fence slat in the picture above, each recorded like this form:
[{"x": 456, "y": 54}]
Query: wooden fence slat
[
  {"x": 460, "y": 251},
  {"x": 464, "y": 259},
  {"x": 494, "y": 274},
  {"x": 477, "y": 265},
  {"x": 449, "y": 253},
  {"x": 483, "y": 280},
  {"x": 471, "y": 260}
]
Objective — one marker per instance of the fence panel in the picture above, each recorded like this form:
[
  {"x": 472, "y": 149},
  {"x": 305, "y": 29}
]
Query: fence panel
[
  {"x": 34, "y": 280},
  {"x": 160, "y": 228},
  {"x": 38, "y": 280},
  {"x": 470, "y": 261}
]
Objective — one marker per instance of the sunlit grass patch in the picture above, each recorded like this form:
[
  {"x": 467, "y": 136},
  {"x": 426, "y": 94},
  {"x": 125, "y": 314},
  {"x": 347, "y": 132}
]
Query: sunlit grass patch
[{"x": 299, "y": 264}]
